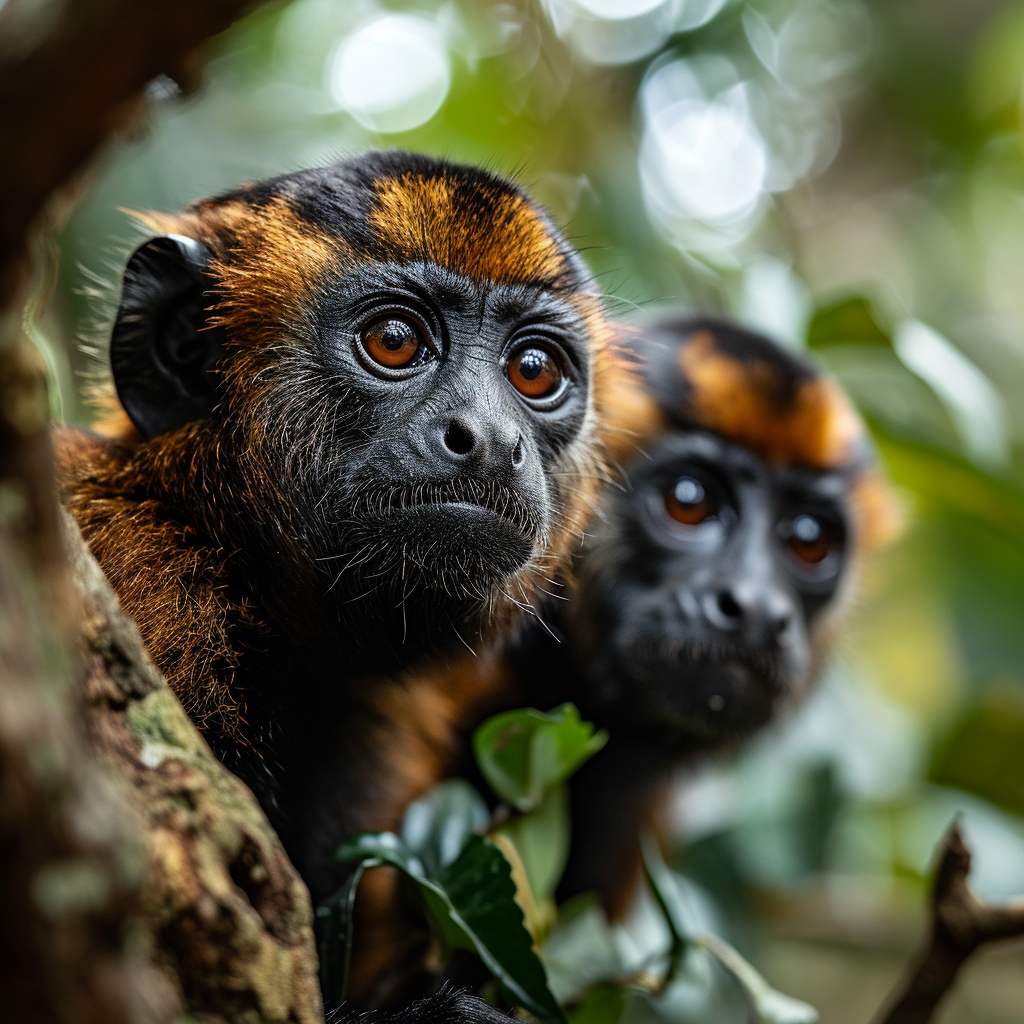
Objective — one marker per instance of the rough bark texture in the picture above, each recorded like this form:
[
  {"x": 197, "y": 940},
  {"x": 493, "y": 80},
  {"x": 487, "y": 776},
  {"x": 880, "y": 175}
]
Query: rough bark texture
[
  {"x": 138, "y": 879},
  {"x": 960, "y": 923},
  {"x": 70, "y": 871},
  {"x": 230, "y": 917}
]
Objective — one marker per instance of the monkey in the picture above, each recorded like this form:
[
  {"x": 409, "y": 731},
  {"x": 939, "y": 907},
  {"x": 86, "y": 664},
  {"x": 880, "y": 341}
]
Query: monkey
[
  {"x": 712, "y": 583},
  {"x": 714, "y": 578},
  {"x": 356, "y": 426}
]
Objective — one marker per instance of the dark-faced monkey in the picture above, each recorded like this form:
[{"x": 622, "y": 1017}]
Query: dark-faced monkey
[
  {"x": 357, "y": 429},
  {"x": 711, "y": 585}
]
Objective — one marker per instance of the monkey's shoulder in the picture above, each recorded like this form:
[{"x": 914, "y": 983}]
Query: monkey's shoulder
[{"x": 178, "y": 588}]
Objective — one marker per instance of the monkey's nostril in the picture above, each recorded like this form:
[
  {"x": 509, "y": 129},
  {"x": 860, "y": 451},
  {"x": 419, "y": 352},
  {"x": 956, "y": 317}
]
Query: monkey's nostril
[
  {"x": 457, "y": 439},
  {"x": 518, "y": 454},
  {"x": 728, "y": 605}
]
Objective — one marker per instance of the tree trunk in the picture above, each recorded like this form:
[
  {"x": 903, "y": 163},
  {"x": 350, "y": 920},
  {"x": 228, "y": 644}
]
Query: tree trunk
[{"x": 139, "y": 880}]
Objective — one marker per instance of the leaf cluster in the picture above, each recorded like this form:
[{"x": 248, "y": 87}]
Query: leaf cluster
[{"x": 485, "y": 882}]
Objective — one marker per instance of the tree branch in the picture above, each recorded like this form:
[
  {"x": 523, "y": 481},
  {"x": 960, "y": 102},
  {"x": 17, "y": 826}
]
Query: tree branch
[
  {"x": 71, "y": 75},
  {"x": 960, "y": 924}
]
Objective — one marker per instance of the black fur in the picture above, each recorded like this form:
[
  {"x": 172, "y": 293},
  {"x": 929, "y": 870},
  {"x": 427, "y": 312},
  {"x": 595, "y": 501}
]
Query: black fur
[{"x": 448, "y": 1006}]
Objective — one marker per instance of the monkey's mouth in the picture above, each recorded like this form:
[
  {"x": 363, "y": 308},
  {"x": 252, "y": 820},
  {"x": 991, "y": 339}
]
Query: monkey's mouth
[
  {"x": 459, "y": 495},
  {"x": 709, "y": 690}
]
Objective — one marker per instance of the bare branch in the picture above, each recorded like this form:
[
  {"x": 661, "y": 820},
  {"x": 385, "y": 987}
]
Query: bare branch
[{"x": 960, "y": 924}]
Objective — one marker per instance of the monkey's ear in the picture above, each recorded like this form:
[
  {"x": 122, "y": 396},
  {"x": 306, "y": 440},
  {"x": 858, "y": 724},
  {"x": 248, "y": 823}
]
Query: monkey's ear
[{"x": 162, "y": 350}]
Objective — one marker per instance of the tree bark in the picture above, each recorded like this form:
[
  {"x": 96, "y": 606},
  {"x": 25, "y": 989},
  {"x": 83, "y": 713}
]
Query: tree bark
[
  {"x": 959, "y": 925},
  {"x": 229, "y": 918},
  {"x": 138, "y": 879}
]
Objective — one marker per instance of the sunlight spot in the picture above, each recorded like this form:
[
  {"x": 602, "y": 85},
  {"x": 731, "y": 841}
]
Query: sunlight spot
[{"x": 391, "y": 74}]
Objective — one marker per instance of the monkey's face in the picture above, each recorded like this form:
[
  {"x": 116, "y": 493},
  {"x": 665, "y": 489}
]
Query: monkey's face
[
  {"x": 707, "y": 584},
  {"x": 469, "y": 396},
  {"x": 709, "y": 576},
  {"x": 381, "y": 380}
]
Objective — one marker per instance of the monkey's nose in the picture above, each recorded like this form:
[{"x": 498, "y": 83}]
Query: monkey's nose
[
  {"x": 486, "y": 447},
  {"x": 723, "y": 611},
  {"x": 736, "y": 608},
  {"x": 458, "y": 440}
]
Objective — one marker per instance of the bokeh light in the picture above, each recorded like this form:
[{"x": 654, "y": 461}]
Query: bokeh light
[{"x": 392, "y": 73}]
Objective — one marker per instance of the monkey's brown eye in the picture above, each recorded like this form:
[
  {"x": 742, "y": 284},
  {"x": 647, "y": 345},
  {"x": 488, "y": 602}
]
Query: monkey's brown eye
[
  {"x": 687, "y": 501},
  {"x": 810, "y": 539},
  {"x": 393, "y": 343},
  {"x": 534, "y": 372}
]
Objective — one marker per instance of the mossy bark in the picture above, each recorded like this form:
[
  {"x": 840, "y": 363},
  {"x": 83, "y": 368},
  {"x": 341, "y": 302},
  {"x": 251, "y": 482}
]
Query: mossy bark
[{"x": 139, "y": 881}]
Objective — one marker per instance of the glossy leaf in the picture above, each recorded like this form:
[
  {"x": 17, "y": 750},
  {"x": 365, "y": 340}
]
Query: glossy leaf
[
  {"x": 524, "y": 753},
  {"x": 334, "y": 936},
  {"x": 437, "y": 826},
  {"x": 471, "y": 902}
]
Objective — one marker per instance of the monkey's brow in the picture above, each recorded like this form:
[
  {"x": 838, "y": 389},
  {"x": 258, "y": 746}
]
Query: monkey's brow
[{"x": 828, "y": 484}]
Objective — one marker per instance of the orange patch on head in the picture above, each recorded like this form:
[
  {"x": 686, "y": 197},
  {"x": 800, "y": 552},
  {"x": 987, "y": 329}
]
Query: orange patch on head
[
  {"x": 745, "y": 401},
  {"x": 483, "y": 232},
  {"x": 268, "y": 262}
]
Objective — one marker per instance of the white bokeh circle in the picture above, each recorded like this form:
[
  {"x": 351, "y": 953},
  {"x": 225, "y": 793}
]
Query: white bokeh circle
[{"x": 392, "y": 73}]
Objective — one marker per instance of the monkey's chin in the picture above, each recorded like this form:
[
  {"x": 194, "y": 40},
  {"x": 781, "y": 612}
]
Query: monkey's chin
[
  {"x": 463, "y": 548},
  {"x": 706, "y": 700}
]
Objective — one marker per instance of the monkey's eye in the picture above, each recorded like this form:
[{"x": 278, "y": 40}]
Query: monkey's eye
[
  {"x": 810, "y": 538},
  {"x": 687, "y": 501},
  {"x": 395, "y": 343},
  {"x": 534, "y": 372}
]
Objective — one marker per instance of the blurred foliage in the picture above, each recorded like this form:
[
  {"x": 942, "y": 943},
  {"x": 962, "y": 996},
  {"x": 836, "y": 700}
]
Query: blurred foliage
[{"x": 847, "y": 175}]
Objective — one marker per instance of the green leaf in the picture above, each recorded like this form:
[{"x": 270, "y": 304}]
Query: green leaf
[
  {"x": 480, "y": 887},
  {"x": 580, "y": 953},
  {"x": 542, "y": 841},
  {"x": 334, "y": 937},
  {"x": 850, "y": 322},
  {"x": 437, "y": 826},
  {"x": 471, "y": 901},
  {"x": 524, "y": 753}
]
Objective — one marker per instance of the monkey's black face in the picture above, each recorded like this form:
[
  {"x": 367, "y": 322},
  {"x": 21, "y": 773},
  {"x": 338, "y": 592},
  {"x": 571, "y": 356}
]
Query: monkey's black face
[
  {"x": 709, "y": 574},
  {"x": 466, "y": 396}
]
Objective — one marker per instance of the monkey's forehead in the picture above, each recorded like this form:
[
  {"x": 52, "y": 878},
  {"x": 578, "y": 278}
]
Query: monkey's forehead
[
  {"x": 741, "y": 385},
  {"x": 399, "y": 207}
]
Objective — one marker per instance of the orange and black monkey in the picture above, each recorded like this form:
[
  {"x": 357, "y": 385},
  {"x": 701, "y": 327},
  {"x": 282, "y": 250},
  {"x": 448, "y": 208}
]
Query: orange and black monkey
[
  {"x": 710, "y": 587},
  {"x": 357, "y": 428}
]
